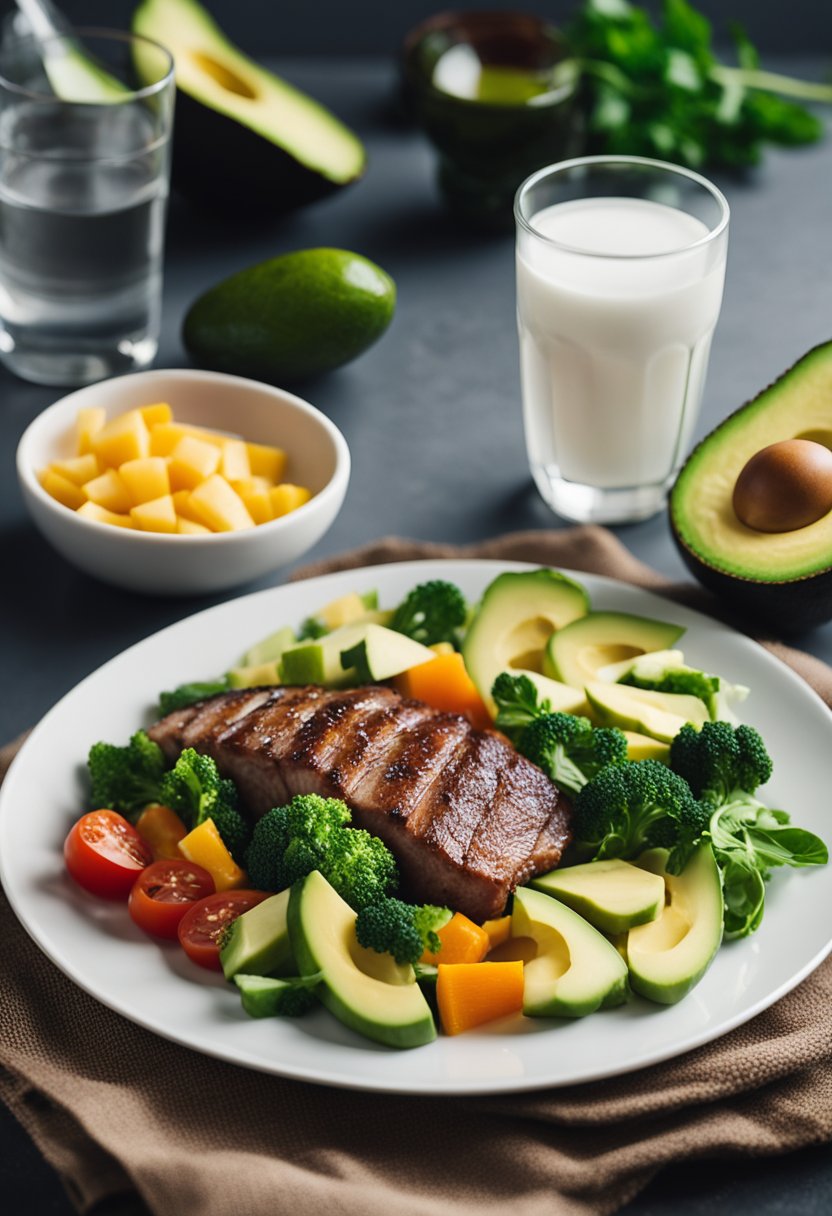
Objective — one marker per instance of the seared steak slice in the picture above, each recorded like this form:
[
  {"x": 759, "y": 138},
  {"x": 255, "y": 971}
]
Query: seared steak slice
[{"x": 467, "y": 818}]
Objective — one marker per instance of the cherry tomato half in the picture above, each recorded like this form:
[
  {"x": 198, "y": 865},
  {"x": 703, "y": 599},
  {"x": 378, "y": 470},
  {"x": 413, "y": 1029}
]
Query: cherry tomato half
[
  {"x": 201, "y": 926},
  {"x": 163, "y": 893},
  {"x": 104, "y": 853}
]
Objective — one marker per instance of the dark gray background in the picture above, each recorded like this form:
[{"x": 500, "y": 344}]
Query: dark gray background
[
  {"x": 375, "y": 27},
  {"x": 431, "y": 414}
]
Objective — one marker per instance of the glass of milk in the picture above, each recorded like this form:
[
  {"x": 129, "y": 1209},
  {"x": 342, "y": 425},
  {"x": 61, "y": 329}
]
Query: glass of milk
[{"x": 620, "y": 267}]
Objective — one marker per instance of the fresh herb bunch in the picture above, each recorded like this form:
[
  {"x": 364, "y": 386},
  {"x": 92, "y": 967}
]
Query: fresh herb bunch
[
  {"x": 659, "y": 90},
  {"x": 724, "y": 767}
]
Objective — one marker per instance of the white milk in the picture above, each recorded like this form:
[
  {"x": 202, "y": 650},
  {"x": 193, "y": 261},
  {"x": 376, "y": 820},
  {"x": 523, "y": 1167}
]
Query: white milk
[{"x": 614, "y": 347}]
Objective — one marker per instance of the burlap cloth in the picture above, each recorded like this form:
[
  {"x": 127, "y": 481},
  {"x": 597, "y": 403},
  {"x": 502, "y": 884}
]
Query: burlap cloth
[{"x": 117, "y": 1110}]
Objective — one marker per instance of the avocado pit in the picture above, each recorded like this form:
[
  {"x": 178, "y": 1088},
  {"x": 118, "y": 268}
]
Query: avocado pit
[{"x": 785, "y": 486}]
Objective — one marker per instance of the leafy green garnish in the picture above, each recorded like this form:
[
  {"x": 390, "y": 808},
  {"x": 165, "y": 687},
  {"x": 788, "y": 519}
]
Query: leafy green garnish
[
  {"x": 659, "y": 90},
  {"x": 749, "y": 841}
]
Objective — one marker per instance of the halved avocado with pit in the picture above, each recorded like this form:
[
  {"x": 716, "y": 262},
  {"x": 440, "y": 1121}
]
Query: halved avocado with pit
[
  {"x": 780, "y": 577},
  {"x": 243, "y": 138}
]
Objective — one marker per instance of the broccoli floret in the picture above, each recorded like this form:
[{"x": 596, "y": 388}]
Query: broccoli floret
[
  {"x": 569, "y": 750},
  {"x": 311, "y": 833},
  {"x": 311, "y": 629},
  {"x": 517, "y": 703},
  {"x": 127, "y": 778},
  {"x": 638, "y": 805},
  {"x": 404, "y": 930},
  {"x": 264, "y": 857},
  {"x": 721, "y": 763},
  {"x": 360, "y": 867},
  {"x": 194, "y": 789},
  {"x": 187, "y": 694},
  {"x": 432, "y": 612}
]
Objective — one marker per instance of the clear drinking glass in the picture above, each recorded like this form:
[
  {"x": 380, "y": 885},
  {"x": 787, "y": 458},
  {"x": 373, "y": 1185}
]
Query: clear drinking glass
[
  {"x": 83, "y": 190},
  {"x": 620, "y": 267}
]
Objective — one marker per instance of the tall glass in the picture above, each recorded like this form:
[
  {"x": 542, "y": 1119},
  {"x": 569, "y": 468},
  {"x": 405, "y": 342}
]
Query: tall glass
[
  {"x": 620, "y": 268},
  {"x": 83, "y": 190}
]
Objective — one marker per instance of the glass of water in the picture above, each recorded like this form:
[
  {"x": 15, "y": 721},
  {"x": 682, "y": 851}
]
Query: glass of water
[
  {"x": 620, "y": 267},
  {"x": 83, "y": 190}
]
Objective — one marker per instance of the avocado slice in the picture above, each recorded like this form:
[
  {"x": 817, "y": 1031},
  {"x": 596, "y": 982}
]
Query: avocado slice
[
  {"x": 575, "y": 970},
  {"x": 254, "y": 675},
  {"x": 258, "y": 941},
  {"x": 270, "y": 649},
  {"x": 244, "y": 139},
  {"x": 668, "y": 956},
  {"x": 514, "y": 620},
  {"x": 642, "y": 747},
  {"x": 779, "y": 577},
  {"x": 319, "y": 661},
  {"x": 382, "y": 653},
  {"x": 660, "y": 715},
  {"x": 578, "y": 653},
  {"x": 612, "y": 895},
  {"x": 369, "y": 992}
]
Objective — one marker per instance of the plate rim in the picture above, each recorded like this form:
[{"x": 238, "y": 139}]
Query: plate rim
[{"x": 323, "y": 1076}]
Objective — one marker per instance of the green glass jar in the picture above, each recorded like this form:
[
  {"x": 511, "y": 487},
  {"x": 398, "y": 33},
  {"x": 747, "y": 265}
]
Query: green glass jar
[{"x": 496, "y": 96}]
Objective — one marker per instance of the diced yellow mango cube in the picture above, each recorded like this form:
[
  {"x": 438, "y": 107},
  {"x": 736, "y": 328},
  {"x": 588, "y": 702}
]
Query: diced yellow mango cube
[
  {"x": 234, "y": 465},
  {"x": 220, "y": 507},
  {"x": 158, "y": 515},
  {"x": 78, "y": 468},
  {"x": 62, "y": 489},
  {"x": 286, "y": 498},
  {"x": 145, "y": 479},
  {"x": 108, "y": 491},
  {"x": 251, "y": 485},
  {"x": 88, "y": 424},
  {"x": 91, "y": 510},
  {"x": 191, "y": 461},
  {"x": 164, "y": 436},
  {"x": 266, "y": 461},
  {"x": 187, "y": 527},
  {"x": 160, "y": 411},
  {"x": 258, "y": 503},
  {"x": 205, "y": 847},
  {"x": 124, "y": 437},
  {"x": 182, "y": 503}
]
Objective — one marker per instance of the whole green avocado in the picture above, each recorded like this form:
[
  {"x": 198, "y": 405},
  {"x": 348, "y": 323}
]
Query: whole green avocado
[{"x": 291, "y": 317}]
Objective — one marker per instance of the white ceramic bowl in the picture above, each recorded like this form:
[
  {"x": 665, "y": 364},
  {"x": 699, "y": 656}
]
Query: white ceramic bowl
[{"x": 160, "y": 564}]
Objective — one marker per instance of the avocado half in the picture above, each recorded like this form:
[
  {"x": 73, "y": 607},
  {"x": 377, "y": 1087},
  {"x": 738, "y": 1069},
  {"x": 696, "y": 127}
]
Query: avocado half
[
  {"x": 782, "y": 579},
  {"x": 244, "y": 140}
]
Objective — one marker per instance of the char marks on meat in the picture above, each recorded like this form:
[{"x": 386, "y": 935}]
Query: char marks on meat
[{"x": 467, "y": 818}]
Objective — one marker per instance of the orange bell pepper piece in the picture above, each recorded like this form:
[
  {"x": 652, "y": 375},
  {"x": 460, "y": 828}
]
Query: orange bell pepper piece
[
  {"x": 469, "y": 994},
  {"x": 462, "y": 942},
  {"x": 162, "y": 829},
  {"x": 444, "y": 683}
]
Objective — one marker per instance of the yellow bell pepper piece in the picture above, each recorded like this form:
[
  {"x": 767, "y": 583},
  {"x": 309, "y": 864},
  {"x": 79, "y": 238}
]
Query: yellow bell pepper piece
[{"x": 204, "y": 846}]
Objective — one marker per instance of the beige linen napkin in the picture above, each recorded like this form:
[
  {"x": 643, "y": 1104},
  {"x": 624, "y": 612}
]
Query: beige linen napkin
[{"x": 117, "y": 1110}]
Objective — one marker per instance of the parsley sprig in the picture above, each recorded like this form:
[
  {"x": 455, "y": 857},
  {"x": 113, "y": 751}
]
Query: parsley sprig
[{"x": 659, "y": 90}]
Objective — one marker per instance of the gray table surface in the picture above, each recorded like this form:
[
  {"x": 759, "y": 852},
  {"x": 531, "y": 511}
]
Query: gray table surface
[{"x": 432, "y": 416}]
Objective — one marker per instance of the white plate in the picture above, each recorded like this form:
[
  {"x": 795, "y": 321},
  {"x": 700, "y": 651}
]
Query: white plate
[{"x": 98, "y": 947}]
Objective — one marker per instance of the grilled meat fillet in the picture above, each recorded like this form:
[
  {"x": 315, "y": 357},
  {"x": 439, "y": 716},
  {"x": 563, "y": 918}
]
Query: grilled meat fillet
[{"x": 467, "y": 818}]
